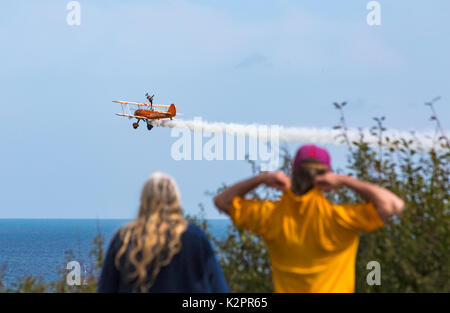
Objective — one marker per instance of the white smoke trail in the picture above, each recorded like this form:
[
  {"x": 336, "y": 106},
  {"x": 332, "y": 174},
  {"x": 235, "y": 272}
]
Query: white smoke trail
[{"x": 421, "y": 141}]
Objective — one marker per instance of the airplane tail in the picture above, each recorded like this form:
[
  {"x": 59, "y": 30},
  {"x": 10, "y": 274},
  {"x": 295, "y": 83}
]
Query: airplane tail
[{"x": 172, "y": 110}]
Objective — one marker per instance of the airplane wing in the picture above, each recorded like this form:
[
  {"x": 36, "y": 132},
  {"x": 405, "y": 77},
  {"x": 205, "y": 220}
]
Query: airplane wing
[
  {"x": 146, "y": 118},
  {"x": 143, "y": 104},
  {"x": 133, "y": 116}
]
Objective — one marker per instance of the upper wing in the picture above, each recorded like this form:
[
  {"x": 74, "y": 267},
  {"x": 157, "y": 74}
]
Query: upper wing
[{"x": 143, "y": 104}]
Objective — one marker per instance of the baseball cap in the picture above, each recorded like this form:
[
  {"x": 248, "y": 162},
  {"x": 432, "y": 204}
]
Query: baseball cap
[{"x": 312, "y": 151}]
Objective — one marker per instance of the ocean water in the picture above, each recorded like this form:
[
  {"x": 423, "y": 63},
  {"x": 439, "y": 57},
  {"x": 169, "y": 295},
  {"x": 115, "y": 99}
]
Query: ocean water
[{"x": 36, "y": 247}]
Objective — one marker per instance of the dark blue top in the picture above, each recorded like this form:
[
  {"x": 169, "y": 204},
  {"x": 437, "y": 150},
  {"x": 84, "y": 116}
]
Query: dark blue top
[{"x": 193, "y": 269}]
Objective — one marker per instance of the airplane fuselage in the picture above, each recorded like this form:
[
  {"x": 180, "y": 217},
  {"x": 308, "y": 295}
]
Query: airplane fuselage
[{"x": 153, "y": 114}]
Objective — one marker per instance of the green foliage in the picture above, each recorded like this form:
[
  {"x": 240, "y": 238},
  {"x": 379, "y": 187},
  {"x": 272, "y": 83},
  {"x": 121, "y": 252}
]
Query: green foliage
[
  {"x": 413, "y": 249},
  {"x": 245, "y": 262},
  {"x": 2, "y": 277},
  {"x": 30, "y": 284}
]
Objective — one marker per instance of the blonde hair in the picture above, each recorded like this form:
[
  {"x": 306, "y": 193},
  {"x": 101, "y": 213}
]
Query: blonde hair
[{"x": 155, "y": 236}]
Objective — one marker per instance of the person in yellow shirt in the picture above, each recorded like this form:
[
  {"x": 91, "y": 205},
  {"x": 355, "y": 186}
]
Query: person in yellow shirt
[{"x": 312, "y": 243}]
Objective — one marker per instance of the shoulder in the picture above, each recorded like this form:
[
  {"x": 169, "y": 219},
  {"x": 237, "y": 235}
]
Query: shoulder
[
  {"x": 196, "y": 239},
  {"x": 117, "y": 238},
  {"x": 245, "y": 205},
  {"x": 195, "y": 232}
]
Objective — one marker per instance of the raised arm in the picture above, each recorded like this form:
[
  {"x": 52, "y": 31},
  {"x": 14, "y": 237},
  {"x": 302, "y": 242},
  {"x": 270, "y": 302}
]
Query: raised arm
[
  {"x": 277, "y": 180},
  {"x": 386, "y": 203}
]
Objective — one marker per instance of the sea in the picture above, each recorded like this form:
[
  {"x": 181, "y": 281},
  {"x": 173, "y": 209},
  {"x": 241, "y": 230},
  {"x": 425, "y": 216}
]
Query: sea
[{"x": 38, "y": 247}]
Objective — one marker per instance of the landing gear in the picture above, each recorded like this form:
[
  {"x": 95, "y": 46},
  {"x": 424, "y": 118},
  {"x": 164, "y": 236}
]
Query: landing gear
[{"x": 136, "y": 125}]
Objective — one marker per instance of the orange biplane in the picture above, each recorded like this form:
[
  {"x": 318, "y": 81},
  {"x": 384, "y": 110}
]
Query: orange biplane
[{"x": 146, "y": 112}]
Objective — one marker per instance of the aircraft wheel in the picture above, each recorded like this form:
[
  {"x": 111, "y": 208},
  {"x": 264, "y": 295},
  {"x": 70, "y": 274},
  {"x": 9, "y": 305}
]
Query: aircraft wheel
[
  {"x": 135, "y": 125},
  {"x": 149, "y": 126}
]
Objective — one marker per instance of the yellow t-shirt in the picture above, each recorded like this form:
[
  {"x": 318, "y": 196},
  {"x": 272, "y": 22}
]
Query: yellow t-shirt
[{"x": 312, "y": 243}]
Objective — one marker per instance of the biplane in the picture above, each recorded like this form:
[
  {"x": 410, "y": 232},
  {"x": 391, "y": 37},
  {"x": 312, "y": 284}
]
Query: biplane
[{"x": 146, "y": 112}]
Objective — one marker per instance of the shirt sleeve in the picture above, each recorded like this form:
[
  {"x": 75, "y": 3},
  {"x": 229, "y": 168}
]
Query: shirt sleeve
[
  {"x": 109, "y": 278},
  {"x": 252, "y": 215},
  {"x": 360, "y": 217}
]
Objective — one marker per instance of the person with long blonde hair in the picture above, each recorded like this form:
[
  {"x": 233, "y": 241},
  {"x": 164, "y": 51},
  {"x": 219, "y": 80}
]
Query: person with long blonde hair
[{"x": 160, "y": 251}]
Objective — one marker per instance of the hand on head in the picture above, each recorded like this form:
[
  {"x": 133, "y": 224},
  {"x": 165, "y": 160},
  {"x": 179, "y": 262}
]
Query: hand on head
[
  {"x": 280, "y": 181},
  {"x": 328, "y": 181}
]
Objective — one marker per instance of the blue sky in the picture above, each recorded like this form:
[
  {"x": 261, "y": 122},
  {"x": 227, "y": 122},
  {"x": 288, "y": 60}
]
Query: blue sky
[{"x": 64, "y": 154}]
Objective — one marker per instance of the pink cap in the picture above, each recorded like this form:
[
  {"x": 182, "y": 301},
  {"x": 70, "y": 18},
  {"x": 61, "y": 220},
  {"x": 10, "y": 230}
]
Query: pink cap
[{"x": 312, "y": 151}]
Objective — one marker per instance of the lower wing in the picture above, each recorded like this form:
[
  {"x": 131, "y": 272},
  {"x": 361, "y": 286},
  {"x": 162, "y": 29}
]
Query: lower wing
[
  {"x": 146, "y": 118},
  {"x": 133, "y": 116}
]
